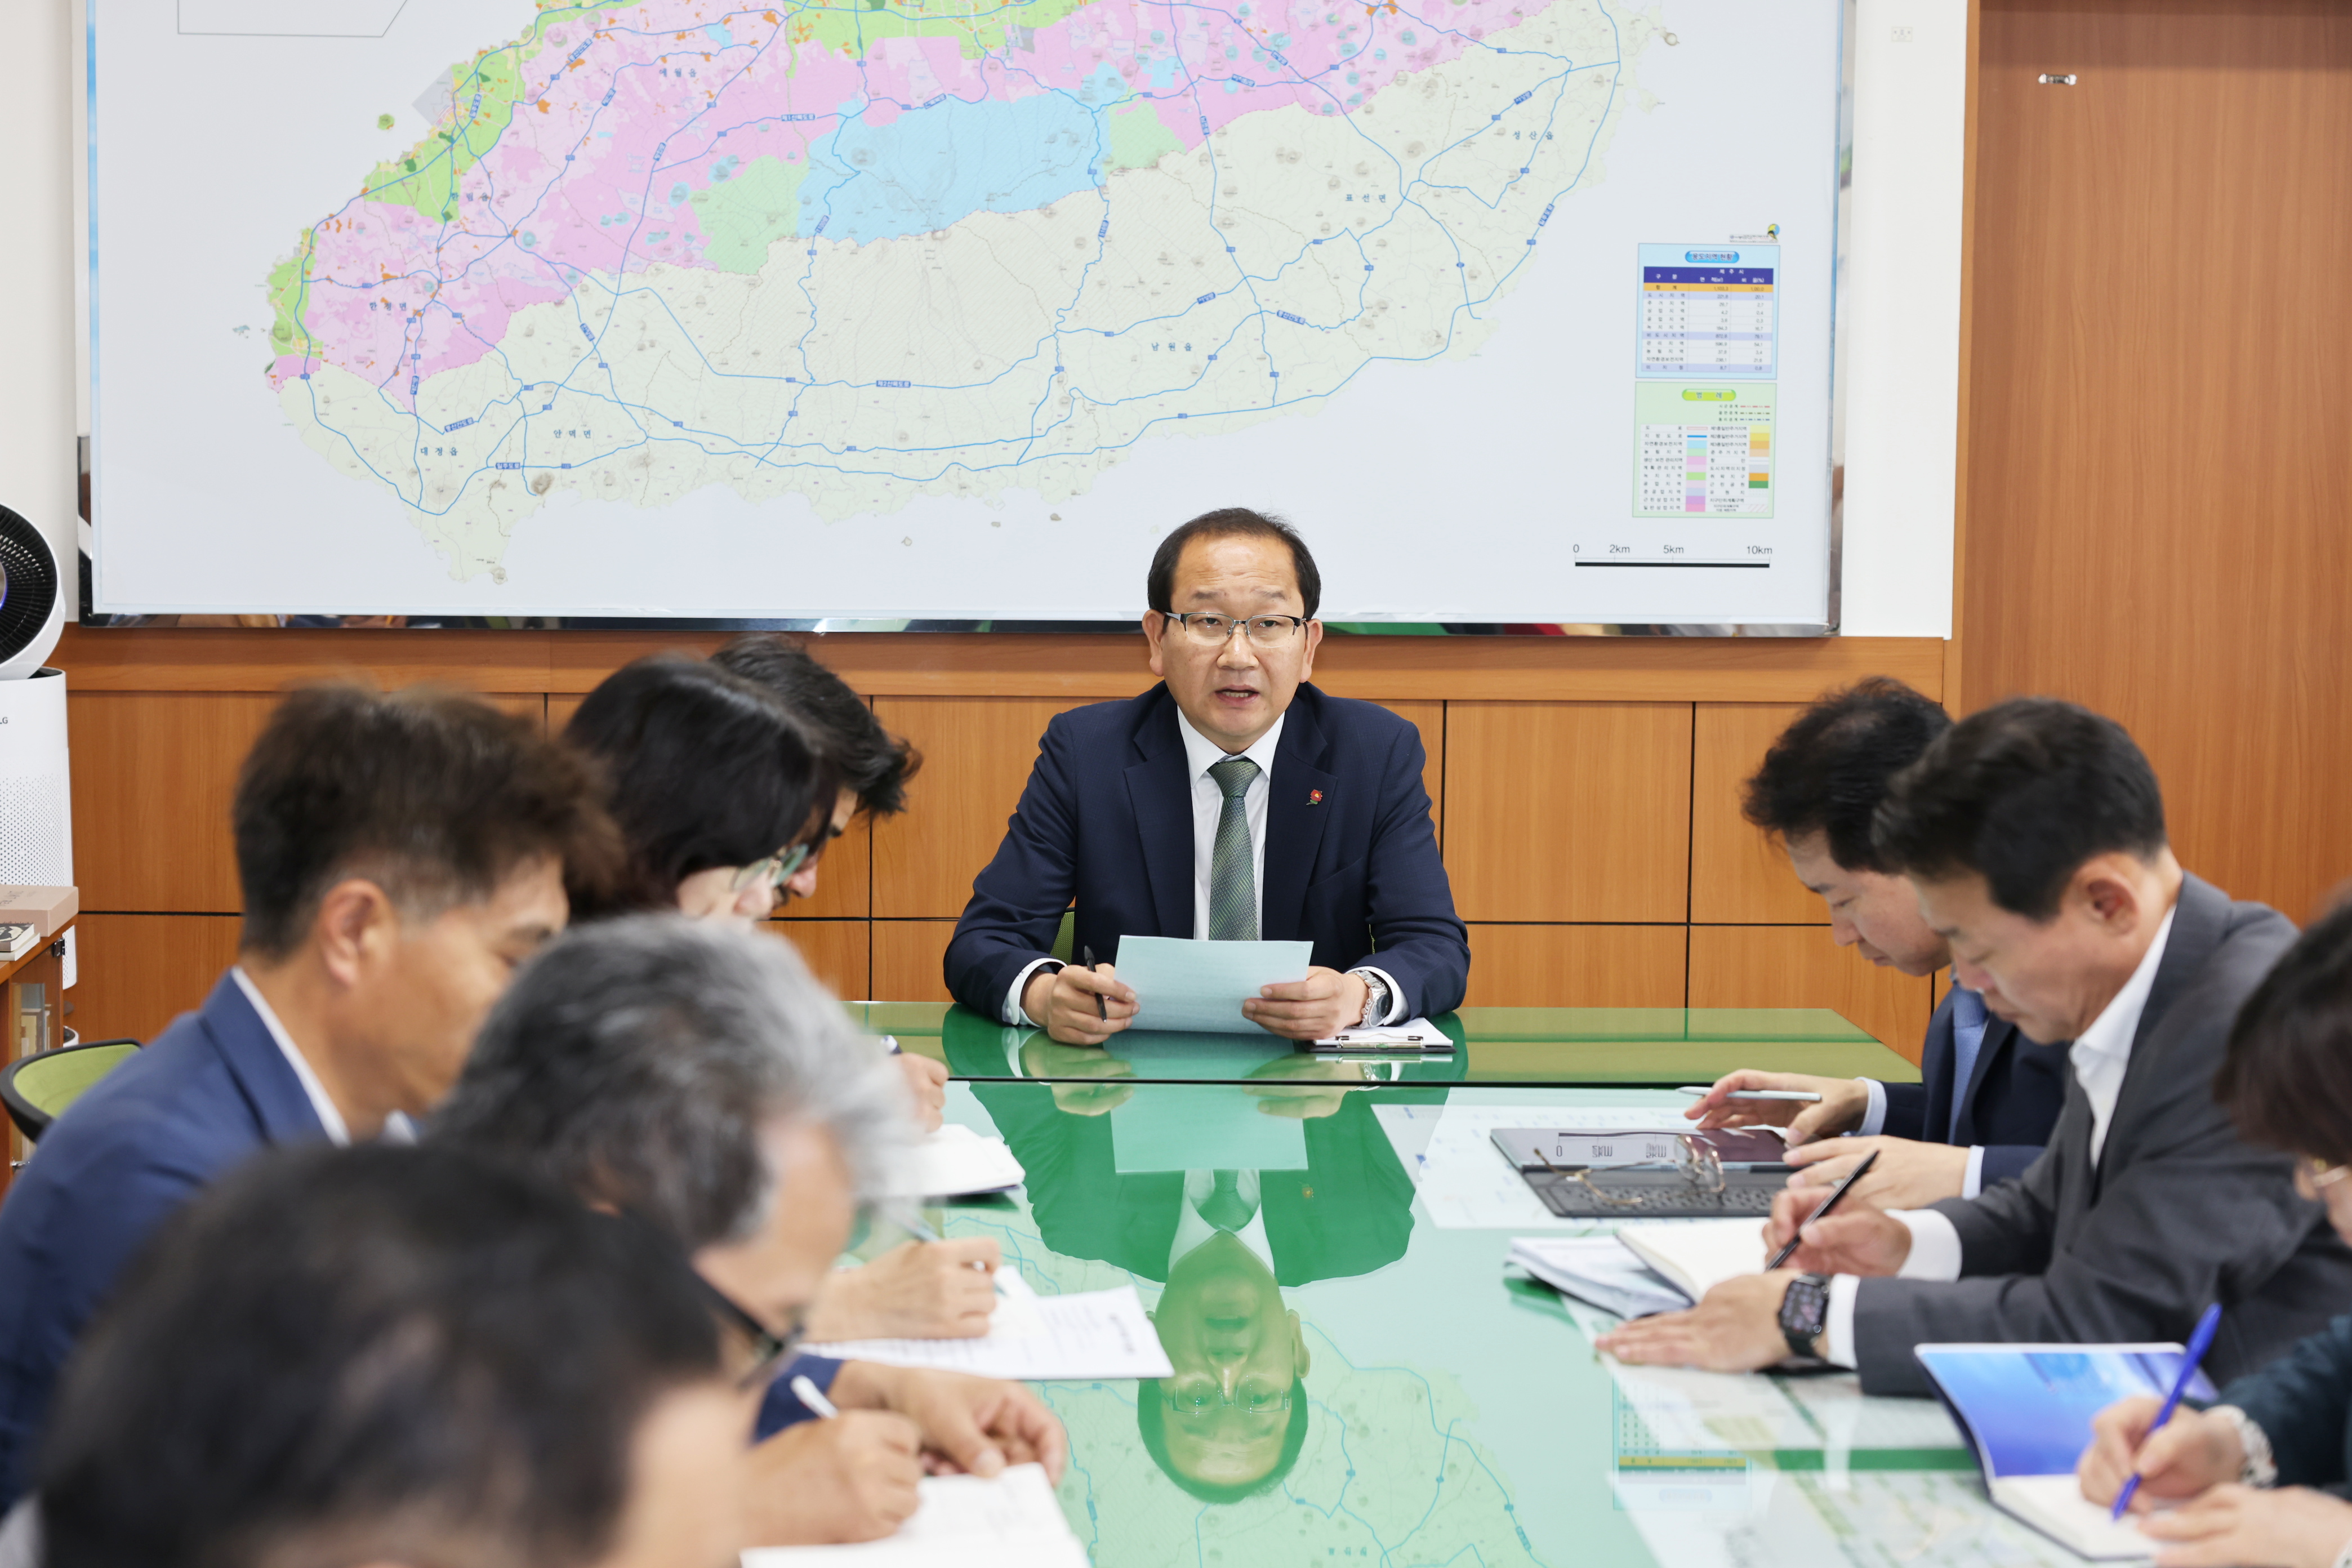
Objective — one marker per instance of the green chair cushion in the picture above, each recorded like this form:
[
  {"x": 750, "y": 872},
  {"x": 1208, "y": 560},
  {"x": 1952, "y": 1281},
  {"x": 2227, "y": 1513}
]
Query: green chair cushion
[{"x": 53, "y": 1081}]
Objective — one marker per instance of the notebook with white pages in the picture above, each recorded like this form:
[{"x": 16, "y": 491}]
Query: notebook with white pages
[
  {"x": 2027, "y": 1412},
  {"x": 1009, "y": 1520}
]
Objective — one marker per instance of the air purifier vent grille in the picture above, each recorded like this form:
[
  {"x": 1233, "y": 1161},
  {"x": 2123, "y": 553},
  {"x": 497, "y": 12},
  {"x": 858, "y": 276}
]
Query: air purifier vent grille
[{"x": 28, "y": 583}]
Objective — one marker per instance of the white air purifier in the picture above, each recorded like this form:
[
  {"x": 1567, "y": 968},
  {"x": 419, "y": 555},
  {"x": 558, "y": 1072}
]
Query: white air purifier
[{"x": 36, "y": 791}]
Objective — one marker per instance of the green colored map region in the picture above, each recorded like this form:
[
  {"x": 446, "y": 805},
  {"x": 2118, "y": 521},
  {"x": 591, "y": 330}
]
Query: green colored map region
[
  {"x": 289, "y": 293},
  {"x": 1139, "y": 139},
  {"x": 977, "y": 26},
  {"x": 485, "y": 92},
  {"x": 742, "y": 216}
]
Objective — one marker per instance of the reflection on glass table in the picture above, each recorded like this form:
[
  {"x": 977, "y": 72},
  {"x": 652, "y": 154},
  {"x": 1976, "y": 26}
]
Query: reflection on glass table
[
  {"x": 1539, "y": 1047},
  {"x": 1356, "y": 1380}
]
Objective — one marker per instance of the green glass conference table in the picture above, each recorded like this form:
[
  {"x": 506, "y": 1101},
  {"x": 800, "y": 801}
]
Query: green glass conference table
[
  {"x": 1407, "y": 1400},
  {"x": 1537, "y": 1046}
]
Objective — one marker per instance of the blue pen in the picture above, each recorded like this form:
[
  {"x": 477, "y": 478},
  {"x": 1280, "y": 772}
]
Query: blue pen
[{"x": 2199, "y": 1343}]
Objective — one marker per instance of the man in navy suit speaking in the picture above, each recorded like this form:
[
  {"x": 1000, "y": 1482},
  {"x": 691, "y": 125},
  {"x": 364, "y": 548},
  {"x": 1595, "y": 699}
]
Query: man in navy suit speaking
[{"x": 1232, "y": 802}]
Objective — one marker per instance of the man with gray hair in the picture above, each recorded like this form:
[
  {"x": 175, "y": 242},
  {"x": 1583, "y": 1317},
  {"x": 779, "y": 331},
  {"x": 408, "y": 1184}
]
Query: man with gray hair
[{"x": 695, "y": 1077}]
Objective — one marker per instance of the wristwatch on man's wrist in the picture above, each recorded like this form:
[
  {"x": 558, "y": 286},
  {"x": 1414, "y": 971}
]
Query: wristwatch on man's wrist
[
  {"x": 1376, "y": 998},
  {"x": 1805, "y": 1314}
]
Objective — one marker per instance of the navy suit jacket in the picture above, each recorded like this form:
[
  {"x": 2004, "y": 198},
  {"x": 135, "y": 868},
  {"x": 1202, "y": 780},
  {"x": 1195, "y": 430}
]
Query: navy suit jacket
[
  {"x": 2009, "y": 1104},
  {"x": 1349, "y": 1213},
  {"x": 212, "y": 1090},
  {"x": 1351, "y": 861}
]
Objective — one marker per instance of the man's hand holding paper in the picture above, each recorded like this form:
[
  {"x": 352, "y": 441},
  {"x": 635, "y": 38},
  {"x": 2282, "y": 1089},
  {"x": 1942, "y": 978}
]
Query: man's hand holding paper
[
  {"x": 1079, "y": 1006},
  {"x": 1320, "y": 1005}
]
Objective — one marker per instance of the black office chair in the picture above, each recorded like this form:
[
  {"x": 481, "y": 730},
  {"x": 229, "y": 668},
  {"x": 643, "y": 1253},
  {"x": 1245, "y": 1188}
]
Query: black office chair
[{"x": 37, "y": 1089}]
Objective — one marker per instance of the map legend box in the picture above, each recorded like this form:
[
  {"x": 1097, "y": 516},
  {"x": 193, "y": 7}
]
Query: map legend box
[
  {"x": 1709, "y": 310},
  {"x": 1703, "y": 451}
]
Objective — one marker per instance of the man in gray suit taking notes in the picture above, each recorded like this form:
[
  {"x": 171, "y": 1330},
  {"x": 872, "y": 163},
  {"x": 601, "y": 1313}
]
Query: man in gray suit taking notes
[{"x": 2035, "y": 834}]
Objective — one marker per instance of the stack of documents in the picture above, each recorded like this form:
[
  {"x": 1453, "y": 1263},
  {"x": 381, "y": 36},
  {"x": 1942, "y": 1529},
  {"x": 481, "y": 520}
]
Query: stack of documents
[
  {"x": 955, "y": 1161},
  {"x": 1037, "y": 1339},
  {"x": 1010, "y": 1521},
  {"x": 1595, "y": 1269},
  {"x": 1644, "y": 1269}
]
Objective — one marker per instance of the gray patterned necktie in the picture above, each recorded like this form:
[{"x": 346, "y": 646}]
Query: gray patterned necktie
[
  {"x": 1232, "y": 883},
  {"x": 1225, "y": 1207}
]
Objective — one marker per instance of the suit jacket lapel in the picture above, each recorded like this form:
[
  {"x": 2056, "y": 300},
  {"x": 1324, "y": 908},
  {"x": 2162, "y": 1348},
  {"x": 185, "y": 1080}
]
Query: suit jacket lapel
[
  {"x": 279, "y": 1104},
  {"x": 1159, "y": 790},
  {"x": 1997, "y": 1036},
  {"x": 1300, "y": 799},
  {"x": 2198, "y": 918}
]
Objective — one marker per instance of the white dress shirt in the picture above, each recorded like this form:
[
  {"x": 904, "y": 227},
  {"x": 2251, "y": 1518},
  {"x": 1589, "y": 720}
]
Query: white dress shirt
[
  {"x": 1201, "y": 754},
  {"x": 1874, "y": 1122},
  {"x": 397, "y": 1127},
  {"x": 2100, "y": 1055}
]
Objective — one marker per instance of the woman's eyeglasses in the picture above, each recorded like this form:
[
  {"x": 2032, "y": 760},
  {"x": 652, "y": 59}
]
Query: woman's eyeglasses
[
  {"x": 775, "y": 871},
  {"x": 769, "y": 1349}
]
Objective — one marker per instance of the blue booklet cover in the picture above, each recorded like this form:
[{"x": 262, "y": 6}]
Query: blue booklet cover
[{"x": 2028, "y": 1408}]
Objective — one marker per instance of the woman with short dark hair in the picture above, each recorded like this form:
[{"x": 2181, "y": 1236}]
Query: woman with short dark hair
[
  {"x": 721, "y": 793},
  {"x": 2287, "y": 1082}
]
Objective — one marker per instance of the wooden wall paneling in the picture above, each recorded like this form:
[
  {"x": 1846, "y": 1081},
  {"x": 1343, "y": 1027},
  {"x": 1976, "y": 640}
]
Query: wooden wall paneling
[
  {"x": 153, "y": 773},
  {"x": 907, "y": 960},
  {"x": 845, "y": 878},
  {"x": 1737, "y": 875},
  {"x": 2156, "y": 462},
  {"x": 1576, "y": 965},
  {"x": 1073, "y": 665},
  {"x": 1429, "y": 718},
  {"x": 139, "y": 971},
  {"x": 977, "y": 752},
  {"x": 1569, "y": 811},
  {"x": 1800, "y": 967},
  {"x": 838, "y": 952}
]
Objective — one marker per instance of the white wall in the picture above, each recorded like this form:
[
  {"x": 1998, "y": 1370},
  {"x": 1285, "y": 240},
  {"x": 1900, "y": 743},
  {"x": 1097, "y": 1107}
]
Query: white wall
[
  {"x": 37, "y": 258},
  {"x": 1902, "y": 351},
  {"x": 1903, "y": 316}
]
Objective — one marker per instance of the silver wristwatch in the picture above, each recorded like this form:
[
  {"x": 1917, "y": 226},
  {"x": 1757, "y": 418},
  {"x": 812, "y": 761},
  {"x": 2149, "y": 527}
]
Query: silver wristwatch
[{"x": 1376, "y": 999}]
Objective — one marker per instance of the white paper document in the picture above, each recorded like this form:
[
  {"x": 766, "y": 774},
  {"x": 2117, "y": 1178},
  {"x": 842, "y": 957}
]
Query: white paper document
[
  {"x": 1095, "y": 1333},
  {"x": 1411, "y": 1033},
  {"x": 956, "y": 1162},
  {"x": 1596, "y": 1269},
  {"x": 1011, "y": 1522},
  {"x": 1198, "y": 986},
  {"x": 1203, "y": 1127}
]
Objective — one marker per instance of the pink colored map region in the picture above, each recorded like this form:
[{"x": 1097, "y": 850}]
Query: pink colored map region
[{"x": 602, "y": 143}]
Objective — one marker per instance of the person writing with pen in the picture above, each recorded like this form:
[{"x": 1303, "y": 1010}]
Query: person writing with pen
[
  {"x": 2034, "y": 835},
  {"x": 1989, "y": 1094},
  {"x": 2260, "y": 1477}
]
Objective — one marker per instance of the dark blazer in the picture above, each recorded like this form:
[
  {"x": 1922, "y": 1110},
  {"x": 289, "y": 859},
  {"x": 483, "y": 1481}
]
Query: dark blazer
[
  {"x": 2302, "y": 1403},
  {"x": 2009, "y": 1104},
  {"x": 2177, "y": 1214},
  {"x": 1351, "y": 857},
  {"x": 1349, "y": 1213},
  {"x": 212, "y": 1090}
]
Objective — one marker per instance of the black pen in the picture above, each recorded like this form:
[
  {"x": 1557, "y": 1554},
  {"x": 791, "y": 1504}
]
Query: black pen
[
  {"x": 1102, "y": 1008},
  {"x": 1828, "y": 1204}
]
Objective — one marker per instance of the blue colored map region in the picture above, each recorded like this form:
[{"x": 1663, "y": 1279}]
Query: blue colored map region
[{"x": 932, "y": 167}]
